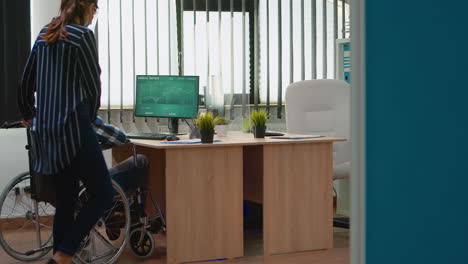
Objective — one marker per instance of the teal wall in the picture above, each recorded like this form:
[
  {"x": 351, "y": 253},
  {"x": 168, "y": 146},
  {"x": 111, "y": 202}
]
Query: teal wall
[{"x": 417, "y": 131}]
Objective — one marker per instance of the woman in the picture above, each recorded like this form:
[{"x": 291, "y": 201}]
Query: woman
[{"x": 63, "y": 70}]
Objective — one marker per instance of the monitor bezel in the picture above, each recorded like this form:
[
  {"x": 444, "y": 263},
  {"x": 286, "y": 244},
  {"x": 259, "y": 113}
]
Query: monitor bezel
[{"x": 160, "y": 116}]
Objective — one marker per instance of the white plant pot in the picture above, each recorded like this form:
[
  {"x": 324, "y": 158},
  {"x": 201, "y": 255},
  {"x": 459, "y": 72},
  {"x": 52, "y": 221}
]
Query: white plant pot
[{"x": 221, "y": 130}]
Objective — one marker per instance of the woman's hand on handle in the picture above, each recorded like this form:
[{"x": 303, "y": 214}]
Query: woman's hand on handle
[{"x": 26, "y": 123}]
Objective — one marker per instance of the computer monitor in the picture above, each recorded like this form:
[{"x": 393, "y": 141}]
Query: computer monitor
[{"x": 168, "y": 97}]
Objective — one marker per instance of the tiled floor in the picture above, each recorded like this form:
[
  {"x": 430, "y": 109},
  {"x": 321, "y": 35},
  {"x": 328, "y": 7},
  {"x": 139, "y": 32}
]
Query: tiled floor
[{"x": 253, "y": 252}]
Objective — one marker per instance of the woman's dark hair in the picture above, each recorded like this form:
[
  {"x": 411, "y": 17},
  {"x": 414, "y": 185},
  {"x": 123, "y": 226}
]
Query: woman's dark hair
[{"x": 70, "y": 10}]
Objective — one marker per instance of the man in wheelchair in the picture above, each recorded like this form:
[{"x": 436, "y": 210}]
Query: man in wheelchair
[
  {"x": 131, "y": 175},
  {"x": 109, "y": 136}
]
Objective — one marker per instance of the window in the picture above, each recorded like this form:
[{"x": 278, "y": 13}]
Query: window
[
  {"x": 212, "y": 41},
  {"x": 310, "y": 72},
  {"x": 135, "y": 37},
  {"x": 193, "y": 37}
]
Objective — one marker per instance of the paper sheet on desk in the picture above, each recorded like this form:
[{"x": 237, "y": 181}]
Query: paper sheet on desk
[
  {"x": 186, "y": 142},
  {"x": 294, "y": 136}
]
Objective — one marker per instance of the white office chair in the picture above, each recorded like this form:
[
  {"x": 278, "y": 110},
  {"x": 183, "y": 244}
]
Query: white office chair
[{"x": 323, "y": 107}]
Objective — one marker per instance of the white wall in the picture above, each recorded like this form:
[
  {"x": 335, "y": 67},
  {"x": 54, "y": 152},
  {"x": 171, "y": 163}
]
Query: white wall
[
  {"x": 13, "y": 155},
  {"x": 42, "y": 12}
]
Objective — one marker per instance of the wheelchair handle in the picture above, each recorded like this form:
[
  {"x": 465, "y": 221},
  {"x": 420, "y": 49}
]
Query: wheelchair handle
[{"x": 16, "y": 124}]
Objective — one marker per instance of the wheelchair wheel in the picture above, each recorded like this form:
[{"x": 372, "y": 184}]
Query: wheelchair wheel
[
  {"x": 25, "y": 224},
  {"x": 142, "y": 243},
  {"x": 108, "y": 238}
]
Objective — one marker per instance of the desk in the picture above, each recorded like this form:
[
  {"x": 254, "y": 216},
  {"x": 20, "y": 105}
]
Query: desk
[{"x": 201, "y": 189}]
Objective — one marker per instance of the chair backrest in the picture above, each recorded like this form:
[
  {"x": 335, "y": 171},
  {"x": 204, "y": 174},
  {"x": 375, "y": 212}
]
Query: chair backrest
[{"x": 321, "y": 107}]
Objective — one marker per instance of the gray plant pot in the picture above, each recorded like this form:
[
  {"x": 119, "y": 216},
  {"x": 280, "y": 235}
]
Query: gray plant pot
[
  {"x": 207, "y": 136},
  {"x": 259, "y": 131}
]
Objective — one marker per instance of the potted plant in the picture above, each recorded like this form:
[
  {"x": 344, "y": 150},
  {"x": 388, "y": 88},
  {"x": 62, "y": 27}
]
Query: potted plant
[
  {"x": 205, "y": 123},
  {"x": 258, "y": 119},
  {"x": 221, "y": 126}
]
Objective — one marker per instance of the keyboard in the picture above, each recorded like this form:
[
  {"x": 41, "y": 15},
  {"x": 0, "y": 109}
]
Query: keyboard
[
  {"x": 154, "y": 136},
  {"x": 273, "y": 134}
]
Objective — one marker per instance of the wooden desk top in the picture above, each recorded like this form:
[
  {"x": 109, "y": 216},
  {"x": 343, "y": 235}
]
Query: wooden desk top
[{"x": 234, "y": 138}]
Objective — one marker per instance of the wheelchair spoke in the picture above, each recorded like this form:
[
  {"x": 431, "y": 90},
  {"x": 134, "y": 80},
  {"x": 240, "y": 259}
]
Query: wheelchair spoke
[
  {"x": 13, "y": 209},
  {"x": 44, "y": 211},
  {"x": 26, "y": 224},
  {"x": 46, "y": 226},
  {"x": 102, "y": 256},
  {"x": 23, "y": 229},
  {"x": 108, "y": 213},
  {"x": 80, "y": 259},
  {"x": 93, "y": 246},
  {"x": 109, "y": 245},
  {"x": 103, "y": 246},
  {"x": 25, "y": 205}
]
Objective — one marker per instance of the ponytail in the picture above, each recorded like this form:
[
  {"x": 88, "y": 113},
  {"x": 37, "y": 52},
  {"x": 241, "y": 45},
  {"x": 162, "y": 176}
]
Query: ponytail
[{"x": 70, "y": 10}]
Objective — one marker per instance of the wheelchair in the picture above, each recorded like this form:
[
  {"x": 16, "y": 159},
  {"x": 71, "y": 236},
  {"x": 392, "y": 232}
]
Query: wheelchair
[
  {"x": 26, "y": 222},
  {"x": 143, "y": 226}
]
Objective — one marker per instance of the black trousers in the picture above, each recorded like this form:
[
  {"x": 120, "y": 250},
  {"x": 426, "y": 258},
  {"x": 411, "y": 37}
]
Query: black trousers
[{"x": 90, "y": 168}]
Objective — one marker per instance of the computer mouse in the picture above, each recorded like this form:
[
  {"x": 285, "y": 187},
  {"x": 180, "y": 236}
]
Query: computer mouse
[{"x": 172, "y": 138}]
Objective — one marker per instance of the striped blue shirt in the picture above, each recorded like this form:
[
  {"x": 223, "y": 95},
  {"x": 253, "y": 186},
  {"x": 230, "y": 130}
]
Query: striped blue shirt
[{"x": 57, "y": 78}]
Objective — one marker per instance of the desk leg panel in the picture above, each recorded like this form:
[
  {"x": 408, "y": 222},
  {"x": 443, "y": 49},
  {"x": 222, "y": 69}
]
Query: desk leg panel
[
  {"x": 298, "y": 197},
  {"x": 204, "y": 203}
]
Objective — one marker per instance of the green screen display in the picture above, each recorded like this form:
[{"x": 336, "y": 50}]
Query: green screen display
[{"x": 167, "y": 96}]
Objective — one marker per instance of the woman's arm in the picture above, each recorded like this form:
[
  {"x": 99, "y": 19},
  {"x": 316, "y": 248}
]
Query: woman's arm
[
  {"x": 28, "y": 87},
  {"x": 89, "y": 65}
]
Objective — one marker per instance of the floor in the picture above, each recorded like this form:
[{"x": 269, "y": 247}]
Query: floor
[{"x": 253, "y": 252}]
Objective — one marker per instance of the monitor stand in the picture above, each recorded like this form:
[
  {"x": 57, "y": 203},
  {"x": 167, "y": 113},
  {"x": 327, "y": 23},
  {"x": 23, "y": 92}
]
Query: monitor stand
[{"x": 173, "y": 125}]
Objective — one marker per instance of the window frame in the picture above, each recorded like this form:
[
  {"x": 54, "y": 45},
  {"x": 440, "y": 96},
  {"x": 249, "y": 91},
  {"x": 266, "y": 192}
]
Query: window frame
[{"x": 225, "y": 7}]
